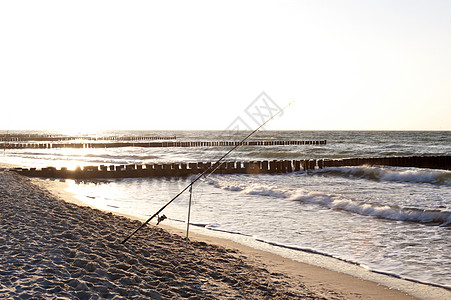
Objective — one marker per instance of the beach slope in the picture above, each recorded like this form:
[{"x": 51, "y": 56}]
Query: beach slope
[{"x": 51, "y": 248}]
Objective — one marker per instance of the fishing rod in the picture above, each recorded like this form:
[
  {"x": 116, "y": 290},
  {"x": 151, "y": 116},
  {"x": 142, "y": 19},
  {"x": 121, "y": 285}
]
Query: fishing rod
[
  {"x": 189, "y": 215},
  {"x": 209, "y": 170}
]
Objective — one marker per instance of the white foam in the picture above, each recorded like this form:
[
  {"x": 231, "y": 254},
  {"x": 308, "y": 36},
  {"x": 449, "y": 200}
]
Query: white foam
[
  {"x": 389, "y": 174},
  {"x": 441, "y": 217}
]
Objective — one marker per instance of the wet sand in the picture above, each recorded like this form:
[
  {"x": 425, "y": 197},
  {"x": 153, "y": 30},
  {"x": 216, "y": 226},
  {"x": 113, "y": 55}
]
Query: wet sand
[{"x": 53, "y": 248}]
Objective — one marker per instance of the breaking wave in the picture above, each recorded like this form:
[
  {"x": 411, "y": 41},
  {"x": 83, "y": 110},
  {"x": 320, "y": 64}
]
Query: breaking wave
[
  {"x": 406, "y": 175},
  {"x": 338, "y": 202},
  {"x": 433, "y": 217}
]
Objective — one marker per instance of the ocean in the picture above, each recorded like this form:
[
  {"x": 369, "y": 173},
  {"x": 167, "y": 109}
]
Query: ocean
[{"x": 391, "y": 220}]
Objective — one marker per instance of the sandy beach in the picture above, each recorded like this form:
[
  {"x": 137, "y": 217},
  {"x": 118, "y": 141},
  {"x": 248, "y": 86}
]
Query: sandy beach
[{"x": 53, "y": 248}]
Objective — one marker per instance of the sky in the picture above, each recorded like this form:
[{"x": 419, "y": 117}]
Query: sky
[{"x": 176, "y": 65}]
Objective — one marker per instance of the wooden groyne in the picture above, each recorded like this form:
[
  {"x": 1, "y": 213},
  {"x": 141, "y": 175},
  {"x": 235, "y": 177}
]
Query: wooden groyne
[
  {"x": 56, "y": 138},
  {"x": 232, "y": 167},
  {"x": 172, "y": 169},
  {"x": 10, "y": 145}
]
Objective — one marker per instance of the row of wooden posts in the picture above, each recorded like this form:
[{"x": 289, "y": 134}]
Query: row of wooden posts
[
  {"x": 155, "y": 144},
  {"x": 54, "y": 138},
  {"x": 232, "y": 167}
]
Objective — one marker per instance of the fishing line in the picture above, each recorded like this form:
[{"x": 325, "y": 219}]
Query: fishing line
[{"x": 208, "y": 171}]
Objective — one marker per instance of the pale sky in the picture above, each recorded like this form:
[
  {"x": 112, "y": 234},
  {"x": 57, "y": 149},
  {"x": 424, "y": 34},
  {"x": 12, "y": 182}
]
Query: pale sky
[{"x": 155, "y": 65}]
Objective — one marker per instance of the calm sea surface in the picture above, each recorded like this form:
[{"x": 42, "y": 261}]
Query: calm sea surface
[{"x": 391, "y": 220}]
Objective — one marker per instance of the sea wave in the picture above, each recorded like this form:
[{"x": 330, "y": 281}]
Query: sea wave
[
  {"x": 392, "y": 212},
  {"x": 89, "y": 157},
  {"x": 390, "y": 174},
  {"x": 338, "y": 202}
]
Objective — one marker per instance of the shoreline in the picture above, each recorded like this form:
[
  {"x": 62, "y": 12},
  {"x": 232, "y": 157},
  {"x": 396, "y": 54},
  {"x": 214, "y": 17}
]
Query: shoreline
[
  {"x": 329, "y": 262},
  {"x": 315, "y": 275},
  {"x": 321, "y": 269},
  {"x": 53, "y": 248}
]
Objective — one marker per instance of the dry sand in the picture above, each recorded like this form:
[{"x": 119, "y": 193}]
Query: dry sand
[{"x": 54, "y": 249}]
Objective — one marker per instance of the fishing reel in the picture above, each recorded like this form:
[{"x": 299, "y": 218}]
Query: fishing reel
[{"x": 161, "y": 219}]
